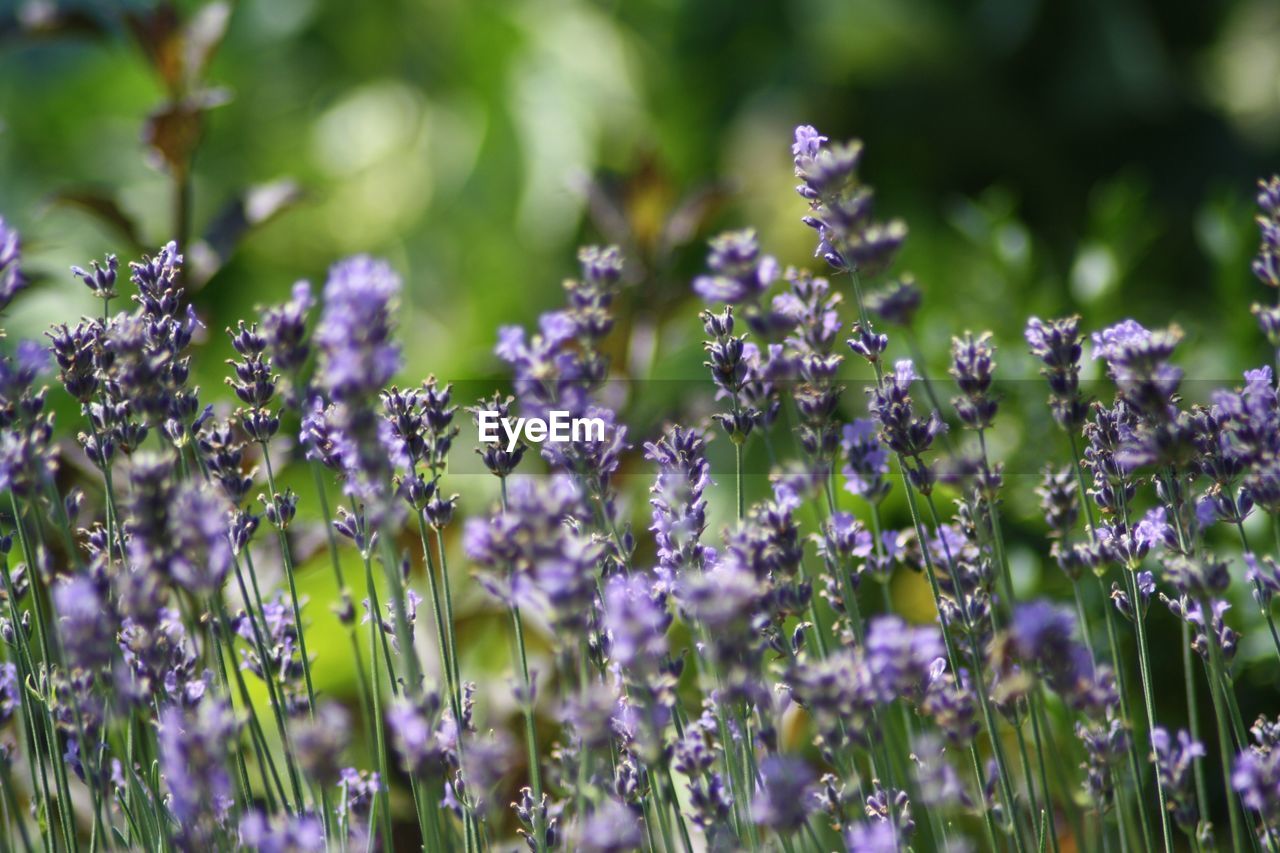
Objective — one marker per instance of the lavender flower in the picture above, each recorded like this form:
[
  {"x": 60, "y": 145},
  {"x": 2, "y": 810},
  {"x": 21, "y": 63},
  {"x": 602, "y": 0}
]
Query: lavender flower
[
  {"x": 873, "y": 837},
  {"x": 1105, "y": 746},
  {"x": 11, "y": 278},
  {"x": 85, "y": 623},
  {"x": 678, "y": 499},
  {"x": 739, "y": 273},
  {"x": 636, "y": 620},
  {"x": 1266, "y": 266},
  {"x": 900, "y": 429},
  {"x": 284, "y": 328},
  {"x": 295, "y": 834},
  {"x": 533, "y": 545},
  {"x": 866, "y": 461},
  {"x": 202, "y": 555},
  {"x": 194, "y": 750},
  {"x": 101, "y": 278},
  {"x": 357, "y": 353},
  {"x": 1174, "y": 758},
  {"x": 612, "y": 828},
  {"x": 695, "y": 756},
  {"x": 939, "y": 784},
  {"x": 1138, "y": 361},
  {"x": 10, "y": 700},
  {"x": 423, "y": 736},
  {"x": 1264, "y": 575},
  {"x": 897, "y": 303},
  {"x": 1256, "y": 778},
  {"x": 1057, "y": 344},
  {"x": 320, "y": 741},
  {"x": 840, "y": 206},
  {"x": 972, "y": 365},
  {"x": 899, "y": 660},
  {"x": 358, "y": 787},
  {"x": 782, "y": 801}
]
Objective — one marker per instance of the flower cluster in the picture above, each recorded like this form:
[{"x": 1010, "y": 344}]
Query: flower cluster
[{"x": 742, "y": 675}]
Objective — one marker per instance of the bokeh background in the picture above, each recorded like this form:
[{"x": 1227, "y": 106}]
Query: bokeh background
[{"x": 1048, "y": 156}]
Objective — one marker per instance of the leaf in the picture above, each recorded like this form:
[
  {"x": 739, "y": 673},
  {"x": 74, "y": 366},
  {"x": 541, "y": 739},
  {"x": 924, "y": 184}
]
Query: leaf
[
  {"x": 158, "y": 32},
  {"x": 252, "y": 209},
  {"x": 103, "y": 208},
  {"x": 173, "y": 131},
  {"x": 201, "y": 38}
]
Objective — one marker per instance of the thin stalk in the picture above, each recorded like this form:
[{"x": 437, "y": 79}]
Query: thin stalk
[
  {"x": 380, "y": 755},
  {"x": 266, "y": 763},
  {"x": 997, "y": 748},
  {"x": 1144, "y": 671},
  {"x": 530, "y": 734},
  {"x": 344, "y": 593},
  {"x": 274, "y": 698},
  {"x": 65, "y": 807},
  {"x": 1117, "y": 660},
  {"x": 1263, "y": 600},
  {"x": 952, "y": 656},
  {"x": 286, "y": 555},
  {"x": 737, "y": 458},
  {"x": 1224, "y": 737}
]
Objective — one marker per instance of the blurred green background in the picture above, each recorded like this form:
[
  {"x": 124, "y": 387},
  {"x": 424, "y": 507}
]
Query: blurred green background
[{"x": 1092, "y": 156}]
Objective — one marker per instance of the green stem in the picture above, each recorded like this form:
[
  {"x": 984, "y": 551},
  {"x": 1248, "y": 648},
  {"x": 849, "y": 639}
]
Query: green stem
[
  {"x": 380, "y": 755},
  {"x": 530, "y": 733},
  {"x": 286, "y": 555}
]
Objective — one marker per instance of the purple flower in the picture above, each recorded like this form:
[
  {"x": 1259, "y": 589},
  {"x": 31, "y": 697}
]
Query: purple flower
[
  {"x": 874, "y": 837},
  {"x": 1138, "y": 361},
  {"x": 10, "y": 699},
  {"x": 359, "y": 787},
  {"x": 1266, "y": 265},
  {"x": 11, "y": 279},
  {"x": 195, "y": 746},
  {"x": 202, "y": 554},
  {"x": 808, "y": 142},
  {"x": 897, "y": 303},
  {"x": 1105, "y": 745},
  {"x": 1264, "y": 574},
  {"x": 284, "y": 327},
  {"x": 899, "y": 660},
  {"x": 1154, "y": 530},
  {"x": 939, "y": 783},
  {"x": 1191, "y": 611},
  {"x": 842, "y": 538},
  {"x": 636, "y": 620},
  {"x": 611, "y": 828},
  {"x": 423, "y": 736},
  {"x": 357, "y": 353},
  {"x": 85, "y": 623},
  {"x": 101, "y": 279},
  {"x": 289, "y": 834},
  {"x": 1174, "y": 758},
  {"x": 284, "y": 655},
  {"x": 533, "y": 544},
  {"x": 973, "y": 366},
  {"x": 739, "y": 273},
  {"x": 840, "y": 206},
  {"x": 1056, "y": 343},
  {"x": 782, "y": 801},
  {"x": 678, "y": 499},
  {"x": 1256, "y": 778},
  {"x": 866, "y": 461},
  {"x": 320, "y": 741},
  {"x": 900, "y": 429},
  {"x": 500, "y": 461}
]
